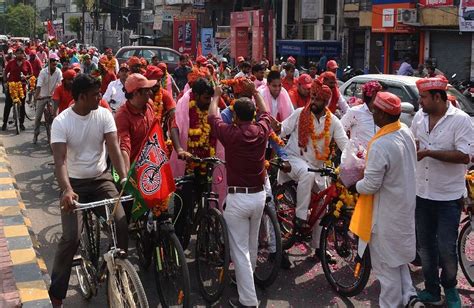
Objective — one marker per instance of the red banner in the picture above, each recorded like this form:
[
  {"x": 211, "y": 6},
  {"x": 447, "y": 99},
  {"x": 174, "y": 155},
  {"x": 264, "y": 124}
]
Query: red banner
[
  {"x": 50, "y": 30},
  {"x": 153, "y": 171},
  {"x": 433, "y": 3},
  {"x": 185, "y": 34}
]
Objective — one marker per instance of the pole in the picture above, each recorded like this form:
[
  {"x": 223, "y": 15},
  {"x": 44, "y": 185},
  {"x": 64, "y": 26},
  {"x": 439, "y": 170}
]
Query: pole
[{"x": 266, "y": 26}]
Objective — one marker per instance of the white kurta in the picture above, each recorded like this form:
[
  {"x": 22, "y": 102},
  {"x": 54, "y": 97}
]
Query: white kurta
[
  {"x": 390, "y": 177},
  {"x": 359, "y": 121}
]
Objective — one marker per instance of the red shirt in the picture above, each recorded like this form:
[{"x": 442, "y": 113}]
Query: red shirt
[
  {"x": 63, "y": 97},
  {"x": 15, "y": 70},
  {"x": 297, "y": 100},
  {"x": 36, "y": 65},
  {"x": 133, "y": 126},
  {"x": 106, "y": 79},
  {"x": 245, "y": 146},
  {"x": 287, "y": 83}
]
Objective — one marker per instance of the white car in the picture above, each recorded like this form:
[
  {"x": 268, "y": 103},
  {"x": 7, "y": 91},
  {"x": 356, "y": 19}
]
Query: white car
[{"x": 405, "y": 88}]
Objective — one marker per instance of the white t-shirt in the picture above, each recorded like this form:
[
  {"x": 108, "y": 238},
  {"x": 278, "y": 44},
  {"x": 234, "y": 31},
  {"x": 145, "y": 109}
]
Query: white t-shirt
[{"x": 84, "y": 137}]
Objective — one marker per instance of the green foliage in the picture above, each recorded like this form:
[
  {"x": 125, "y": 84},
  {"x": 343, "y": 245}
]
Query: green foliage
[
  {"x": 21, "y": 20},
  {"x": 75, "y": 25}
]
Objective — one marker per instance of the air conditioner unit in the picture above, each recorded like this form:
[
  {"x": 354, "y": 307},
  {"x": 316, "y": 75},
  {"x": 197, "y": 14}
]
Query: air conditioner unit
[
  {"x": 329, "y": 19},
  {"x": 329, "y": 35},
  {"x": 407, "y": 16}
]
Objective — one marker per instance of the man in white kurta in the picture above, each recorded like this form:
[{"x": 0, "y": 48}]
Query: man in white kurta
[
  {"x": 301, "y": 159},
  {"x": 390, "y": 177}
]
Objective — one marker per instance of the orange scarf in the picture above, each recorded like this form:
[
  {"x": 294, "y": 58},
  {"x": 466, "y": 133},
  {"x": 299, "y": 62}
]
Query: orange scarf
[{"x": 361, "y": 221}]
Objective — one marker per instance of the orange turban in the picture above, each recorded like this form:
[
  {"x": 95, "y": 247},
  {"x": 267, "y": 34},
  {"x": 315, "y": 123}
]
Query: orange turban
[{"x": 322, "y": 92}]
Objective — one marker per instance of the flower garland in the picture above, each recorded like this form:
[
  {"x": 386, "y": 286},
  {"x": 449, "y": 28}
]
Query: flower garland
[
  {"x": 108, "y": 64},
  {"x": 32, "y": 83},
  {"x": 324, "y": 134},
  {"x": 158, "y": 104},
  {"x": 164, "y": 80},
  {"x": 201, "y": 142},
  {"x": 16, "y": 91}
]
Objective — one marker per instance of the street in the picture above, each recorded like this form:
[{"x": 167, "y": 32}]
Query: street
[{"x": 302, "y": 286}]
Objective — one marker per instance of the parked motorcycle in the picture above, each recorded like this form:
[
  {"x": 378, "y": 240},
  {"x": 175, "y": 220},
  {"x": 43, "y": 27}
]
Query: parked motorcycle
[{"x": 350, "y": 72}]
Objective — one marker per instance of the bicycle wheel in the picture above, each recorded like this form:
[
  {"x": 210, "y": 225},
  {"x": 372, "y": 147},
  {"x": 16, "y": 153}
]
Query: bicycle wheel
[
  {"x": 89, "y": 250},
  {"x": 465, "y": 251},
  {"x": 269, "y": 249},
  {"x": 16, "y": 115},
  {"x": 339, "y": 258},
  {"x": 212, "y": 255},
  {"x": 124, "y": 288},
  {"x": 285, "y": 203},
  {"x": 171, "y": 271}
]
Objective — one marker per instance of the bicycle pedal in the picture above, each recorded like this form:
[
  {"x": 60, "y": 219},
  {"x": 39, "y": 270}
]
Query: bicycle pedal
[{"x": 77, "y": 261}]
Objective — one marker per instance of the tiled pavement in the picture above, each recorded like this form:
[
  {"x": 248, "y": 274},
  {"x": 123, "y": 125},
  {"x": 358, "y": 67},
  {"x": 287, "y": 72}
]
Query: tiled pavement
[{"x": 22, "y": 271}]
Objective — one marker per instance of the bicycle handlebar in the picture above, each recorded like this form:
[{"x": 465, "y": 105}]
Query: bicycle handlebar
[
  {"x": 211, "y": 160},
  {"x": 90, "y": 205},
  {"x": 184, "y": 179},
  {"x": 325, "y": 171}
]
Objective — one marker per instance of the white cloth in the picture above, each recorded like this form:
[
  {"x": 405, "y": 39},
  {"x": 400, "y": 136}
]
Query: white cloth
[
  {"x": 359, "y": 121},
  {"x": 396, "y": 286},
  {"x": 85, "y": 141},
  {"x": 301, "y": 163},
  {"x": 390, "y": 176},
  {"x": 437, "y": 180},
  {"x": 115, "y": 92},
  {"x": 241, "y": 74},
  {"x": 48, "y": 82},
  {"x": 342, "y": 105},
  {"x": 243, "y": 214}
]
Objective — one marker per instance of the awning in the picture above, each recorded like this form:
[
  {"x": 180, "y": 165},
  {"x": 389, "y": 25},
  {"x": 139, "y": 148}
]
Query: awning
[{"x": 309, "y": 48}]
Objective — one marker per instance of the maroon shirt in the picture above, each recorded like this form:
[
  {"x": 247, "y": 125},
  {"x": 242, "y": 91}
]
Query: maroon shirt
[
  {"x": 15, "y": 70},
  {"x": 244, "y": 149},
  {"x": 37, "y": 66},
  {"x": 132, "y": 127}
]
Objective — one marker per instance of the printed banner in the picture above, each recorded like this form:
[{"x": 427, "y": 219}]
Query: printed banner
[
  {"x": 466, "y": 15},
  {"x": 207, "y": 40},
  {"x": 185, "y": 34},
  {"x": 434, "y": 3}
]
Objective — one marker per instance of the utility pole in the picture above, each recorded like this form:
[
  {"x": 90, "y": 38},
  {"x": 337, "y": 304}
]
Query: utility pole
[{"x": 266, "y": 27}]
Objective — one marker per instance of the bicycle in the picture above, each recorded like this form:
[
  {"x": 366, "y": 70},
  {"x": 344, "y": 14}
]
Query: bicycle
[
  {"x": 157, "y": 242},
  {"x": 466, "y": 236},
  {"x": 124, "y": 288},
  {"x": 48, "y": 118},
  {"x": 16, "y": 103},
  {"x": 212, "y": 243},
  {"x": 350, "y": 274}
]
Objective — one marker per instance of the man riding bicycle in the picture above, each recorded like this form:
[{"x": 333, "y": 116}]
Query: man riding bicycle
[
  {"x": 48, "y": 80},
  {"x": 78, "y": 139}
]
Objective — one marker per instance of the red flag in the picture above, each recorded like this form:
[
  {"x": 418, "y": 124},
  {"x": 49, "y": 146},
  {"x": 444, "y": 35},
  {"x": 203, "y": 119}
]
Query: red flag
[
  {"x": 199, "y": 49},
  {"x": 152, "y": 172},
  {"x": 51, "y": 30}
]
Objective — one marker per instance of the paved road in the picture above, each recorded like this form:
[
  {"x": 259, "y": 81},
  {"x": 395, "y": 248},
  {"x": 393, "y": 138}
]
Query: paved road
[{"x": 302, "y": 286}]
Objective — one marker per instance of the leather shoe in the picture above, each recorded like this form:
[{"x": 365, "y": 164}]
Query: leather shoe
[
  {"x": 4, "y": 126},
  {"x": 234, "y": 302}
]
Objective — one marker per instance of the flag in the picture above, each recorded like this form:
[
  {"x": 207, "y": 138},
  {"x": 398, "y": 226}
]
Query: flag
[
  {"x": 51, "y": 31},
  {"x": 150, "y": 179},
  {"x": 199, "y": 49}
]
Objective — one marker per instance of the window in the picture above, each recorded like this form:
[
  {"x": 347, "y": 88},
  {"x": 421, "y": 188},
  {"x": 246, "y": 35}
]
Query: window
[
  {"x": 127, "y": 54},
  {"x": 147, "y": 53},
  {"x": 354, "y": 89},
  {"x": 169, "y": 56}
]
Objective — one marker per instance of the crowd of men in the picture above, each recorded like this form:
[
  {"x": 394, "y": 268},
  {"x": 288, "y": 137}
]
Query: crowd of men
[{"x": 410, "y": 196}]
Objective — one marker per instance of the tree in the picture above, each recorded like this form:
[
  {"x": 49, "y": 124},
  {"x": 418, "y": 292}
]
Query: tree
[
  {"x": 86, "y": 6},
  {"x": 21, "y": 20},
  {"x": 75, "y": 25}
]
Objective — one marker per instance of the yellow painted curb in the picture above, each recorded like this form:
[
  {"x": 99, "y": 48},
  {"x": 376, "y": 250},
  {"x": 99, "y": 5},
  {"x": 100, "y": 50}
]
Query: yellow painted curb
[
  {"x": 4, "y": 170},
  {"x": 21, "y": 205},
  {"x": 8, "y": 194},
  {"x": 27, "y": 221},
  {"x": 2, "y": 159},
  {"x": 7, "y": 180},
  {"x": 9, "y": 210},
  {"x": 18, "y": 230},
  {"x": 23, "y": 256},
  {"x": 42, "y": 265},
  {"x": 32, "y": 291}
]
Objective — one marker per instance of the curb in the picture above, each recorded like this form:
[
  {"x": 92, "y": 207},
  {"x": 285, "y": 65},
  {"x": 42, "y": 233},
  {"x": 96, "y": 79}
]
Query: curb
[{"x": 28, "y": 267}]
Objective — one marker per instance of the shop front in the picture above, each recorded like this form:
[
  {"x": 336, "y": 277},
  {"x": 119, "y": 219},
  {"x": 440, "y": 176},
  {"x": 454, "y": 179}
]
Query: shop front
[{"x": 306, "y": 51}]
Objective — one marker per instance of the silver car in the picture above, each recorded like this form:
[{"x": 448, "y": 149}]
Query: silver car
[{"x": 405, "y": 88}]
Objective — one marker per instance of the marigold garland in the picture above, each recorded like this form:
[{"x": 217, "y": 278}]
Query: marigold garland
[
  {"x": 277, "y": 139},
  {"x": 201, "y": 142},
  {"x": 32, "y": 83},
  {"x": 108, "y": 64},
  {"x": 16, "y": 91},
  {"x": 158, "y": 104},
  {"x": 309, "y": 127}
]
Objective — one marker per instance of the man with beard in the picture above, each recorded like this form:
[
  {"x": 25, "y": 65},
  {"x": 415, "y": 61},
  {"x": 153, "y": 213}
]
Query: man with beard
[
  {"x": 311, "y": 129},
  {"x": 300, "y": 93},
  {"x": 337, "y": 101}
]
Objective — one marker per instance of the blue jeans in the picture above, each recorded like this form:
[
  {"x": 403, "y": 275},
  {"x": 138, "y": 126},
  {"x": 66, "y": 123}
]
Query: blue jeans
[{"x": 437, "y": 224}]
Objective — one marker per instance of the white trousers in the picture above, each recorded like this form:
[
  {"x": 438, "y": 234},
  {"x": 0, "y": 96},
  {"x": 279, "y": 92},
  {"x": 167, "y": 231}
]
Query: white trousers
[
  {"x": 396, "y": 286},
  {"x": 299, "y": 173},
  {"x": 243, "y": 214}
]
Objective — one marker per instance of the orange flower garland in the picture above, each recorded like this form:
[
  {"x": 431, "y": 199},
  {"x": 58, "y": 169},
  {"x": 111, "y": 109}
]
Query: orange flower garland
[
  {"x": 16, "y": 91},
  {"x": 277, "y": 139},
  {"x": 158, "y": 104},
  {"x": 108, "y": 64},
  {"x": 324, "y": 134},
  {"x": 32, "y": 82}
]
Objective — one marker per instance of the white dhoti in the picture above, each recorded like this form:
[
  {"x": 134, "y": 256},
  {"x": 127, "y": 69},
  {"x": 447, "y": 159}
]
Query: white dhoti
[{"x": 396, "y": 286}]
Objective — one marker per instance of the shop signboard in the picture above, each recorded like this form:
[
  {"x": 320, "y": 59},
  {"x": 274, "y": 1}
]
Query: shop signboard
[
  {"x": 384, "y": 18},
  {"x": 466, "y": 15},
  {"x": 435, "y": 3},
  {"x": 185, "y": 34},
  {"x": 307, "y": 48},
  {"x": 207, "y": 40}
]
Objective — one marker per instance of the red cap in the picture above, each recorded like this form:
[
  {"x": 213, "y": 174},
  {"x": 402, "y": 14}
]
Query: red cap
[
  {"x": 305, "y": 81},
  {"x": 124, "y": 65},
  {"x": 291, "y": 60},
  {"x": 240, "y": 59},
  {"x": 153, "y": 73},
  {"x": 328, "y": 75},
  {"x": 69, "y": 74},
  {"x": 138, "y": 81},
  {"x": 32, "y": 52},
  {"x": 133, "y": 60},
  {"x": 388, "y": 102},
  {"x": 426, "y": 84},
  {"x": 162, "y": 66},
  {"x": 201, "y": 60},
  {"x": 332, "y": 64}
]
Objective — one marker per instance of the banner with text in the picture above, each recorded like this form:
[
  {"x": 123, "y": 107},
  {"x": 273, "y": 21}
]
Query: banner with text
[
  {"x": 185, "y": 34},
  {"x": 466, "y": 15},
  {"x": 434, "y": 3}
]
